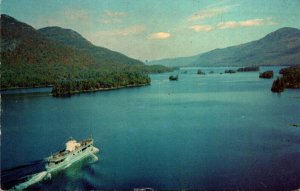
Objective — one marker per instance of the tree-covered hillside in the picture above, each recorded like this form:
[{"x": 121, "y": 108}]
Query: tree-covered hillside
[
  {"x": 30, "y": 59},
  {"x": 75, "y": 40}
]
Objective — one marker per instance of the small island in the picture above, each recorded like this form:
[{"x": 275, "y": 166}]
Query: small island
[
  {"x": 230, "y": 71},
  {"x": 290, "y": 79},
  {"x": 200, "y": 72},
  {"x": 68, "y": 87},
  {"x": 173, "y": 78},
  {"x": 249, "y": 69},
  {"x": 267, "y": 74},
  {"x": 295, "y": 124}
]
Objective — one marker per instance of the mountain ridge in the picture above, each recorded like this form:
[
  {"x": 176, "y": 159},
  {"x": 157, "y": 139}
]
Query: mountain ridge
[
  {"x": 280, "y": 47},
  {"x": 72, "y": 38}
]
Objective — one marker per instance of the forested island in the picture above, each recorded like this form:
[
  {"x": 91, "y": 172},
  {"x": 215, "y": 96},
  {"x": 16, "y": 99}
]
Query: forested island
[
  {"x": 62, "y": 58},
  {"x": 266, "y": 74},
  {"x": 109, "y": 81},
  {"x": 173, "y": 78},
  {"x": 230, "y": 71},
  {"x": 248, "y": 69},
  {"x": 290, "y": 79},
  {"x": 200, "y": 72}
]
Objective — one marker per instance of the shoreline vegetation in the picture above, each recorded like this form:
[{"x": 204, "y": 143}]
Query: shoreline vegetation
[
  {"x": 24, "y": 88},
  {"x": 66, "y": 82},
  {"x": 69, "y": 93},
  {"x": 70, "y": 86},
  {"x": 112, "y": 81},
  {"x": 290, "y": 79}
]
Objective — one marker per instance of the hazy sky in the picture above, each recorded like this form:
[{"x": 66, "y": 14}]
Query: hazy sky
[{"x": 155, "y": 29}]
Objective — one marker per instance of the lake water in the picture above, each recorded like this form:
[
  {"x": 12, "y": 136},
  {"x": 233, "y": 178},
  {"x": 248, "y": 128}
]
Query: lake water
[{"x": 216, "y": 131}]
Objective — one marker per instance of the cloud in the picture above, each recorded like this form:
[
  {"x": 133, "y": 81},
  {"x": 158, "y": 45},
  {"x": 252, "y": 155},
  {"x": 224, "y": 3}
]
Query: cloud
[
  {"x": 113, "y": 17},
  {"x": 208, "y": 13},
  {"x": 160, "y": 35},
  {"x": 228, "y": 24},
  {"x": 199, "y": 28},
  {"x": 131, "y": 30},
  {"x": 216, "y": 9},
  {"x": 257, "y": 22},
  {"x": 245, "y": 23},
  {"x": 115, "y": 14},
  {"x": 233, "y": 24},
  {"x": 219, "y": 3}
]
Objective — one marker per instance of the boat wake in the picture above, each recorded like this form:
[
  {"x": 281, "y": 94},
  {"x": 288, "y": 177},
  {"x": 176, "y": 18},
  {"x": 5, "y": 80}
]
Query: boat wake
[
  {"x": 32, "y": 179},
  {"x": 94, "y": 158},
  {"x": 15, "y": 175},
  {"x": 29, "y": 180},
  {"x": 29, "y": 164},
  {"x": 37, "y": 171}
]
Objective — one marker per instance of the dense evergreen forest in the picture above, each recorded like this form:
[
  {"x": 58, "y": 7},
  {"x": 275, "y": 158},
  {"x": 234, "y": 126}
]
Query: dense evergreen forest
[{"x": 62, "y": 58}]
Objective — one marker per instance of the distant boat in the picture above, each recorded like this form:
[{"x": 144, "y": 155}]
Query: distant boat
[
  {"x": 73, "y": 152},
  {"x": 172, "y": 77}
]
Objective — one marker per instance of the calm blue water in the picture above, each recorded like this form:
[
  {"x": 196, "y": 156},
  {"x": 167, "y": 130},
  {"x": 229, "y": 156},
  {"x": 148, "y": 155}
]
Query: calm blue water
[{"x": 215, "y": 131}]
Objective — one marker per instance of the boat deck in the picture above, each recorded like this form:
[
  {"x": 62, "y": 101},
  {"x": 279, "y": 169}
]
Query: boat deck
[{"x": 61, "y": 154}]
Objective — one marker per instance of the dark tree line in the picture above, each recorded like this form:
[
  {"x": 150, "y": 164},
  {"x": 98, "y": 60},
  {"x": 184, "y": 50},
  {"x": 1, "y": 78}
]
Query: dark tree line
[
  {"x": 290, "y": 79},
  {"x": 68, "y": 87}
]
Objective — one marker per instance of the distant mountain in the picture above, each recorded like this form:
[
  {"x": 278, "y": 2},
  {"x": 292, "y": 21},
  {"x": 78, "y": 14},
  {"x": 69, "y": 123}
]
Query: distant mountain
[
  {"x": 281, "y": 47},
  {"x": 171, "y": 62},
  {"x": 75, "y": 40}
]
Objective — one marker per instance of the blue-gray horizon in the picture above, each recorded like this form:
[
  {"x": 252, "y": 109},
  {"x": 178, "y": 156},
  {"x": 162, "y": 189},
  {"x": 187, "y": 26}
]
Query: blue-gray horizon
[{"x": 153, "y": 30}]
